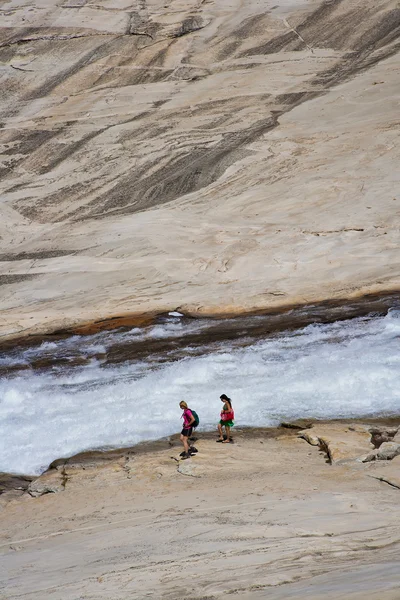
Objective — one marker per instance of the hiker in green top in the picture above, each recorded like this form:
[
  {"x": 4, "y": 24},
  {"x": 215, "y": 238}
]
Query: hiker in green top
[{"x": 227, "y": 416}]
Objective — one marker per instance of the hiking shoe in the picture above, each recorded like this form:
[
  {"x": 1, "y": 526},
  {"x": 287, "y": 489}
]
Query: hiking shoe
[
  {"x": 193, "y": 450},
  {"x": 185, "y": 455}
]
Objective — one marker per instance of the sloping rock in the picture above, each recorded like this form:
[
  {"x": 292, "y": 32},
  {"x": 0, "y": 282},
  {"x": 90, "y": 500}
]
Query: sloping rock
[
  {"x": 389, "y": 473},
  {"x": 188, "y": 467},
  {"x": 311, "y": 438},
  {"x": 51, "y": 482},
  {"x": 342, "y": 443},
  {"x": 203, "y": 463},
  {"x": 10, "y": 482},
  {"x": 199, "y": 155},
  {"x": 12, "y": 487}
]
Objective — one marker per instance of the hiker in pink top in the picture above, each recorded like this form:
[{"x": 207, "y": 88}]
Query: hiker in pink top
[
  {"x": 227, "y": 416},
  {"x": 188, "y": 420}
]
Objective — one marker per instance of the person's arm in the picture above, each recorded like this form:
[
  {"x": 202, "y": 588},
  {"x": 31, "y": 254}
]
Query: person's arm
[
  {"x": 228, "y": 410},
  {"x": 190, "y": 418}
]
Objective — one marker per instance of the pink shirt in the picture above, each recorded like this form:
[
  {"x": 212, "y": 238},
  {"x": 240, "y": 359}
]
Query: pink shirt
[{"x": 187, "y": 417}]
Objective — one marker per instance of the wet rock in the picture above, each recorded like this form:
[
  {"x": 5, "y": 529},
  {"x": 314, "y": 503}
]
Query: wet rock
[
  {"x": 298, "y": 424},
  {"x": 10, "y": 482},
  {"x": 51, "y": 482}
]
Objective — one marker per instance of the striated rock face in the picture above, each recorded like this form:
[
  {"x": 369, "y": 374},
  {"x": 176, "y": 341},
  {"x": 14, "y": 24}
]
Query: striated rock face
[{"x": 217, "y": 157}]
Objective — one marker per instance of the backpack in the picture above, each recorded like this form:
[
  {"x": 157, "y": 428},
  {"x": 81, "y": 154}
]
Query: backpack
[{"x": 196, "y": 418}]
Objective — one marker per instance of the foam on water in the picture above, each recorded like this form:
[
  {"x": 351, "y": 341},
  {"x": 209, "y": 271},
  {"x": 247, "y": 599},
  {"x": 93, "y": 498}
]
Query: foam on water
[{"x": 344, "y": 369}]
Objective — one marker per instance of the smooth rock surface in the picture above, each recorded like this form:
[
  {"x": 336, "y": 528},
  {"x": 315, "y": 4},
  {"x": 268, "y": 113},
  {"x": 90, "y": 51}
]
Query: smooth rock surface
[
  {"x": 388, "y": 473},
  {"x": 210, "y": 157},
  {"x": 190, "y": 467},
  {"x": 268, "y": 518}
]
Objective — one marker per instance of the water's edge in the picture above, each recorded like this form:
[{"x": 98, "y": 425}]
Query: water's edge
[
  {"x": 98, "y": 457},
  {"x": 68, "y": 393},
  {"x": 280, "y": 318}
]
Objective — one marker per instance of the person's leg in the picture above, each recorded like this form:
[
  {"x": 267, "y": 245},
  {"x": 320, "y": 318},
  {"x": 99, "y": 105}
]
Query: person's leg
[
  {"x": 228, "y": 433},
  {"x": 185, "y": 443},
  {"x": 221, "y": 436}
]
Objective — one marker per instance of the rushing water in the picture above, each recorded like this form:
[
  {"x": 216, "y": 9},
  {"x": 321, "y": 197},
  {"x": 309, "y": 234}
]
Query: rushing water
[{"x": 119, "y": 388}]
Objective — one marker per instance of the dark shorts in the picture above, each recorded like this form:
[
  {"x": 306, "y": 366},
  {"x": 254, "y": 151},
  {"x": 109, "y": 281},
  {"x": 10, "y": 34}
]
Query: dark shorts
[{"x": 187, "y": 431}]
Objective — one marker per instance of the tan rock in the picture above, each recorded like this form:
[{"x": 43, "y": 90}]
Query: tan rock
[
  {"x": 341, "y": 442},
  {"x": 389, "y": 473},
  {"x": 386, "y": 451},
  {"x": 267, "y": 517},
  {"x": 189, "y": 468},
  {"x": 311, "y": 438},
  {"x": 218, "y": 157},
  {"x": 51, "y": 482}
]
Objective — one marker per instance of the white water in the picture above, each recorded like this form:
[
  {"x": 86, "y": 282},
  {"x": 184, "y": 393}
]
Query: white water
[{"x": 345, "y": 369}]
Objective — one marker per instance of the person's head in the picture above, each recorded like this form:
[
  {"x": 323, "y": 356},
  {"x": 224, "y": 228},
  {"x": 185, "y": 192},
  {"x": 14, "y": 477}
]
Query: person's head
[
  {"x": 183, "y": 405},
  {"x": 224, "y": 398}
]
